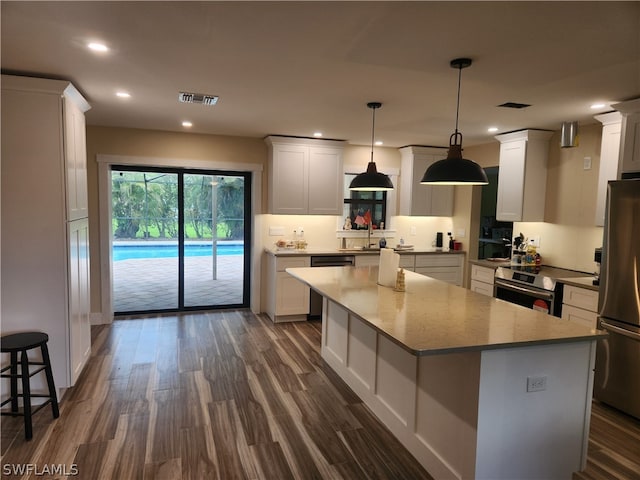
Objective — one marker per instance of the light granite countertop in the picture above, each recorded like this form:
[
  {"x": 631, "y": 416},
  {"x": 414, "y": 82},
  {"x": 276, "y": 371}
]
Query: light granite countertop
[
  {"x": 328, "y": 251},
  {"x": 490, "y": 263},
  {"x": 434, "y": 317},
  {"x": 580, "y": 282}
]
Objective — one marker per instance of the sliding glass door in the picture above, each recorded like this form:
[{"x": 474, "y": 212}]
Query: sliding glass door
[{"x": 180, "y": 239}]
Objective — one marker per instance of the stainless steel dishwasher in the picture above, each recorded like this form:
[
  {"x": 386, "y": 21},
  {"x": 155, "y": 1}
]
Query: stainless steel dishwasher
[{"x": 315, "y": 299}]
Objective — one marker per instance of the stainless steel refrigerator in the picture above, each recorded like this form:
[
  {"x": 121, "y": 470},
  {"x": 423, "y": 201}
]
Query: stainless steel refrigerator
[{"x": 617, "y": 375}]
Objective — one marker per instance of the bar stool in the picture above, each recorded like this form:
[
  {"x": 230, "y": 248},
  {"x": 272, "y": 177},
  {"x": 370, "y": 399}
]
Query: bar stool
[{"x": 23, "y": 342}]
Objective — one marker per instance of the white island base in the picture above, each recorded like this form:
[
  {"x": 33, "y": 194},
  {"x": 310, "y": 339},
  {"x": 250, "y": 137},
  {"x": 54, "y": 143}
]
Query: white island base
[{"x": 468, "y": 414}]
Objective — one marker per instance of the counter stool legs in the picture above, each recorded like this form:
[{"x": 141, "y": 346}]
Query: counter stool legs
[
  {"x": 49, "y": 374},
  {"x": 20, "y": 368},
  {"x": 14, "y": 381},
  {"x": 26, "y": 395}
]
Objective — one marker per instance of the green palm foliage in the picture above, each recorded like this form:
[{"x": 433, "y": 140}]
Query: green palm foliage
[{"x": 145, "y": 205}]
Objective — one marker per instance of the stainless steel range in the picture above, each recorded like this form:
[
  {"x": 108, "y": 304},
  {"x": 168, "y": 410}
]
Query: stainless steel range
[{"x": 532, "y": 287}]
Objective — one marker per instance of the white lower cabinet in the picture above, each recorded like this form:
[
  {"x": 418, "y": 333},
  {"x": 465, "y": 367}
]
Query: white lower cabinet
[
  {"x": 445, "y": 267},
  {"x": 459, "y": 412},
  {"x": 408, "y": 262},
  {"x": 580, "y": 305},
  {"x": 79, "y": 297},
  {"x": 287, "y": 298},
  {"x": 482, "y": 280},
  {"x": 441, "y": 266},
  {"x": 367, "y": 260}
]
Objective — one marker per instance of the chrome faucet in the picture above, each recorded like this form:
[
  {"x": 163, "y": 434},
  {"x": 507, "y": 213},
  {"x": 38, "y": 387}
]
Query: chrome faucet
[{"x": 369, "y": 244}]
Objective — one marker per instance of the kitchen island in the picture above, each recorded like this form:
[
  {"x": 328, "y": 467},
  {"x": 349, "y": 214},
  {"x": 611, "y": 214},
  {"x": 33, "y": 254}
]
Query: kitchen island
[{"x": 472, "y": 386}]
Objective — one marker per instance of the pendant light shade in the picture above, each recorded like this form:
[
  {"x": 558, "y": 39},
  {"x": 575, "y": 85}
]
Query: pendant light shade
[
  {"x": 371, "y": 180},
  {"x": 455, "y": 170}
]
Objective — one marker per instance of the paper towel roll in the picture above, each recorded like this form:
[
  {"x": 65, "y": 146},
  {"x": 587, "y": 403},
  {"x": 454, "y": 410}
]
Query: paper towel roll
[{"x": 388, "y": 268}]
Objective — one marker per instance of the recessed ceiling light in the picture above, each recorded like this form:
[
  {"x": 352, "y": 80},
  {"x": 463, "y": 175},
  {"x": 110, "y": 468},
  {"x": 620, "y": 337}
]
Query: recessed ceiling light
[
  {"x": 98, "y": 47},
  {"x": 187, "y": 124},
  {"x": 379, "y": 142},
  {"x": 492, "y": 129},
  {"x": 317, "y": 134},
  {"x": 596, "y": 106},
  {"x": 123, "y": 94}
]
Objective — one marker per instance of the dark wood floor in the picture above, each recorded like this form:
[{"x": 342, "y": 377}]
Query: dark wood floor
[
  {"x": 224, "y": 395},
  {"x": 229, "y": 395},
  {"x": 614, "y": 446}
]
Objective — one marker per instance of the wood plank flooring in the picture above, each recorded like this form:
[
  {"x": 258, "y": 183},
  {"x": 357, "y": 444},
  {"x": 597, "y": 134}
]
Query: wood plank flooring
[
  {"x": 223, "y": 395},
  {"x": 229, "y": 395},
  {"x": 614, "y": 446}
]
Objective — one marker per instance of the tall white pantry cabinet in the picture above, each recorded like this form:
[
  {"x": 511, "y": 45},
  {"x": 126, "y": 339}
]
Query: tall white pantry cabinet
[{"x": 45, "y": 229}]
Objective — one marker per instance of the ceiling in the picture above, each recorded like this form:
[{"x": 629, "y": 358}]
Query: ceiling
[{"x": 293, "y": 68}]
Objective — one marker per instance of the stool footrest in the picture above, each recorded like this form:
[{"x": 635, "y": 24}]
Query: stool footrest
[
  {"x": 19, "y": 375},
  {"x": 21, "y": 413}
]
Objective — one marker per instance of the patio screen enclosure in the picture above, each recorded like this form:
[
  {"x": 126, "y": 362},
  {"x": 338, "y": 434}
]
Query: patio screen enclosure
[{"x": 180, "y": 239}]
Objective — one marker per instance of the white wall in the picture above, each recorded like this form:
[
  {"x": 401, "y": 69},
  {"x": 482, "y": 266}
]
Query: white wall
[
  {"x": 564, "y": 246},
  {"x": 319, "y": 230}
]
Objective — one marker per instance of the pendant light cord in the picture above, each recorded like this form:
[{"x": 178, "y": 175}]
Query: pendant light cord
[
  {"x": 458, "y": 103},
  {"x": 373, "y": 129}
]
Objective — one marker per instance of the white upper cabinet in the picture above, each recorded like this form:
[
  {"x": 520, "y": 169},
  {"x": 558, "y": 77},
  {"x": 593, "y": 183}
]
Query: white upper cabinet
[
  {"x": 523, "y": 175},
  {"x": 609, "y": 159},
  {"x": 76, "y": 158},
  {"x": 305, "y": 176},
  {"x": 629, "y": 136},
  {"x": 415, "y": 198}
]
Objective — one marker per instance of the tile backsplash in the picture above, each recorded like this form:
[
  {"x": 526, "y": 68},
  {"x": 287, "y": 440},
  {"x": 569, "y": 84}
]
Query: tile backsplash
[
  {"x": 320, "y": 230},
  {"x": 564, "y": 246},
  {"x": 560, "y": 245}
]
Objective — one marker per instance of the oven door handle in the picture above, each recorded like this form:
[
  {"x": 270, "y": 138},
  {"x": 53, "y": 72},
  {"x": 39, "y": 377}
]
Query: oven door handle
[{"x": 515, "y": 288}]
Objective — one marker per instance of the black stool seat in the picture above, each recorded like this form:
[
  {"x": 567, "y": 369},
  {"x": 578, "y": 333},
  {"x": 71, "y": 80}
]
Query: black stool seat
[{"x": 22, "y": 343}]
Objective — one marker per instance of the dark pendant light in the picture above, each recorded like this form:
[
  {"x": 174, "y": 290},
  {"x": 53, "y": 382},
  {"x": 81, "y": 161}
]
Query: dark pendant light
[
  {"x": 455, "y": 170},
  {"x": 371, "y": 180}
]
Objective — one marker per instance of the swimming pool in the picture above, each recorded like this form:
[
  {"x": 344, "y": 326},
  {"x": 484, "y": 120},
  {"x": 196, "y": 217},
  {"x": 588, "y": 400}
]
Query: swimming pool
[{"x": 151, "y": 250}]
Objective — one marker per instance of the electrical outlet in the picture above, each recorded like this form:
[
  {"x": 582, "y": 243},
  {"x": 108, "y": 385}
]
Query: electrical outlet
[
  {"x": 534, "y": 241},
  {"x": 586, "y": 165},
  {"x": 276, "y": 231},
  {"x": 537, "y": 383},
  {"x": 412, "y": 230},
  {"x": 461, "y": 232}
]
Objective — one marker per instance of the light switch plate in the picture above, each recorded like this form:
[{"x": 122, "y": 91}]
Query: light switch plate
[
  {"x": 537, "y": 383},
  {"x": 276, "y": 231}
]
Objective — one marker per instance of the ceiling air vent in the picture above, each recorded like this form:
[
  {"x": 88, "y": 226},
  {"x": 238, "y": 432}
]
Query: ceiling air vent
[
  {"x": 514, "y": 105},
  {"x": 200, "y": 98}
]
